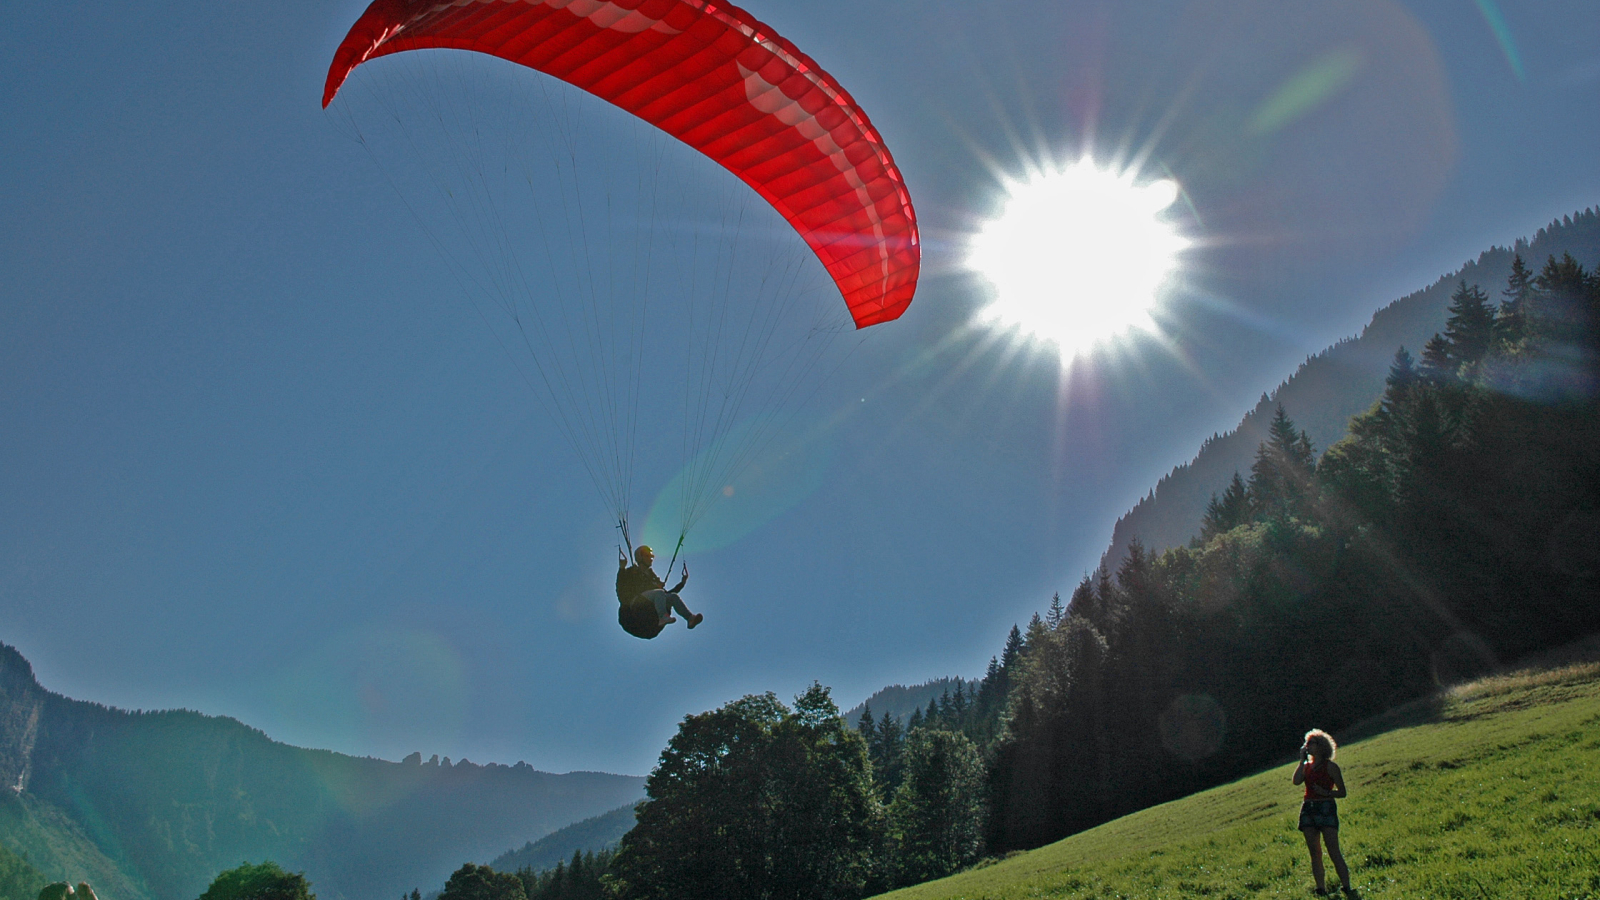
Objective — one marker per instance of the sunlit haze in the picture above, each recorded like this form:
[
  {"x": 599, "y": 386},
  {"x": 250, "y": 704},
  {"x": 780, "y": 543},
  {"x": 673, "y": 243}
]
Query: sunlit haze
[{"x": 1078, "y": 256}]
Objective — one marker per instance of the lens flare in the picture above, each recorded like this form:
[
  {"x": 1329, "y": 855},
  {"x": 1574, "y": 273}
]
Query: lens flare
[
  {"x": 1078, "y": 256},
  {"x": 1310, "y": 87}
]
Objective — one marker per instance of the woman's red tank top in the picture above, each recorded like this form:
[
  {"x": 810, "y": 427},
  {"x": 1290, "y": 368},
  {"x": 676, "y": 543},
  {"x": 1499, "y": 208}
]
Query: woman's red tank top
[{"x": 1318, "y": 775}]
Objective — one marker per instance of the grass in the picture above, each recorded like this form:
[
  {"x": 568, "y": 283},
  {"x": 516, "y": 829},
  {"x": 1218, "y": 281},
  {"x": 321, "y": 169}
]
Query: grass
[{"x": 1494, "y": 793}]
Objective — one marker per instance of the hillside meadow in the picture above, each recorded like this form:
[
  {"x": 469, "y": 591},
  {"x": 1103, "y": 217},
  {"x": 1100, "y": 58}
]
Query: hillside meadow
[{"x": 1489, "y": 790}]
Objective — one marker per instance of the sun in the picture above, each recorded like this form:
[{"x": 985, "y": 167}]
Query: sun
[{"x": 1078, "y": 256}]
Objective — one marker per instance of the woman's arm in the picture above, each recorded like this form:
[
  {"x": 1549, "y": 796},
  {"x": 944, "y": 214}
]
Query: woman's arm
[
  {"x": 1339, "y": 792},
  {"x": 1300, "y": 772}
]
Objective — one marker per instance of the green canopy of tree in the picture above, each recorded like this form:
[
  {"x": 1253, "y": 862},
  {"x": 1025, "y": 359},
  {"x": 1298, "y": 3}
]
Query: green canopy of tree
[
  {"x": 755, "y": 800},
  {"x": 260, "y": 881},
  {"x": 475, "y": 882},
  {"x": 935, "y": 824}
]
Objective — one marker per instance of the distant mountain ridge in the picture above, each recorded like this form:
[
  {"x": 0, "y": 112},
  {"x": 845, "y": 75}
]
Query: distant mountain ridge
[
  {"x": 900, "y": 701},
  {"x": 152, "y": 805},
  {"x": 602, "y": 832},
  {"x": 1334, "y": 385}
]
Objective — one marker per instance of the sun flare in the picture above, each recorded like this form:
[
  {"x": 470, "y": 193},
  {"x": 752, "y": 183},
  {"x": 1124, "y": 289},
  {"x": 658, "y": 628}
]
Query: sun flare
[{"x": 1078, "y": 256}]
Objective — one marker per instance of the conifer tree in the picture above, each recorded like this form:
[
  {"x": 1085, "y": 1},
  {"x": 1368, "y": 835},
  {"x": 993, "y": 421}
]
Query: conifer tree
[
  {"x": 1567, "y": 303},
  {"x": 1469, "y": 330},
  {"x": 1012, "y": 651},
  {"x": 1437, "y": 365},
  {"x": 1281, "y": 473},
  {"x": 1509, "y": 324},
  {"x": 886, "y": 746},
  {"x": 1398, "y": 384},
  {"x": 1227, "y": 512},
  {"x": 1056, "y": 613},
  {"x": 1036, "y": 627},
  {"x": 935, "y": 823}
]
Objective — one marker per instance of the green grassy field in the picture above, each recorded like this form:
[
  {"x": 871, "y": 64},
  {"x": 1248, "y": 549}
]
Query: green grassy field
[{"x": 1491, "y": 790}]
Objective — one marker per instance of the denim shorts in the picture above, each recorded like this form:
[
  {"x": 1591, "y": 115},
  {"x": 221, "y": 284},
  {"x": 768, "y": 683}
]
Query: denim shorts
[{"x": 1319, "y": 814}]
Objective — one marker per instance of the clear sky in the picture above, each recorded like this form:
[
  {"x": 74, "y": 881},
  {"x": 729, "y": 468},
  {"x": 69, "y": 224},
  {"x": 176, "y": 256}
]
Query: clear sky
[{"x": 259, "y": 457}]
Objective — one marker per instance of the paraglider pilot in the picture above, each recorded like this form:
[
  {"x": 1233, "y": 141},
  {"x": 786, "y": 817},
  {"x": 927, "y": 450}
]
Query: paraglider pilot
[{"x": 647, "y": 606}]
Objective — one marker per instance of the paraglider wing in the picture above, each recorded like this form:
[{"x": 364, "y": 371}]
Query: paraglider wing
[{"x": 712, "y": 76}]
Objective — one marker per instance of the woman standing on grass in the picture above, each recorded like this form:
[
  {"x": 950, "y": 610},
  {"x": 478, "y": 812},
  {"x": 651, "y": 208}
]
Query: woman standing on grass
[{"x": 1319, "y": 814}]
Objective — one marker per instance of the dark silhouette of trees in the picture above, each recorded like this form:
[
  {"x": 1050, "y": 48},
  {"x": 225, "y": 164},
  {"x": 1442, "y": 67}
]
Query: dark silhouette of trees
[
  {"x": 754, "y": 800},
  {"x": 935, "y": 824},
  {"x": 1281, "y": 474},
  {"x": 1452, "y": 528},
  {"x": 584, "y": 877},
  {"x": 475, "y": 882},
  {"x": 261, "y": 881},
  {"x": 1226, "y": 512}
]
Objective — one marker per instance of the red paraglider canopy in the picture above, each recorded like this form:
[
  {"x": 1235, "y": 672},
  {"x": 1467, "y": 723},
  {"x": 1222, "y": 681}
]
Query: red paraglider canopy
[{"x": 712, "y": 76}]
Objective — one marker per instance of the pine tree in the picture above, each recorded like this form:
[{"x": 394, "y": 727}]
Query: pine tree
[
  {"x": 1566, "y": 303},
  {"x": 958, "y": 707},
  {"x": 1056, "y": 613},
  {"x": 1510, "y": 323},
  {"x": 1225, "y": 513},
  {"x": 1034, "y": 634},
  {"x": 1281, "y": 473},
  {"x": 887, "y": 746},
  {"x": 1083, "y": 602},
  {"x": 1470, "y": 326},
  {"x": 935, "y": 824},
  {"x": 1437, "y": 364},
  {"x": 1397, "y": 386},
  {"x": 1012, "y": 651}
]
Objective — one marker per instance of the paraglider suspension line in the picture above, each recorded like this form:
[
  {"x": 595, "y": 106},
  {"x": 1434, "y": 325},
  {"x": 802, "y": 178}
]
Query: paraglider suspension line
[
  {"x": 681, "y": 536},
  {"x": 622, "y": 526}
]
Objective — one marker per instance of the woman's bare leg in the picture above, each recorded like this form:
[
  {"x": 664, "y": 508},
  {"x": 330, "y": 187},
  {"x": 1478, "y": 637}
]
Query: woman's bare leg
[
  {"x": 1314, "y": 845},
  {"x": 1330, "y": 836}
]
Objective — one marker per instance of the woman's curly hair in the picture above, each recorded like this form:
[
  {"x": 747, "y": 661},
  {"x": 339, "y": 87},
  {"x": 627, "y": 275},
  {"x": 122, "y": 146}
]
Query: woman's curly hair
[{"x": 1329, "y": 746}]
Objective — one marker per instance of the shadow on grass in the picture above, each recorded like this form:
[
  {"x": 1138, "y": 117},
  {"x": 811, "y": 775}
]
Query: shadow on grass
[
  {"x": 1572, "y": 657},
  {"x": 1418, "y": 712}
]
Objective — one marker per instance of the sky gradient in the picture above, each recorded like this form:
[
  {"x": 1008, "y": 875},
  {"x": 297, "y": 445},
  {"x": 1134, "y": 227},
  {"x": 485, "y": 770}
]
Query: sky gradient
[{"x": 259, "y": 458}]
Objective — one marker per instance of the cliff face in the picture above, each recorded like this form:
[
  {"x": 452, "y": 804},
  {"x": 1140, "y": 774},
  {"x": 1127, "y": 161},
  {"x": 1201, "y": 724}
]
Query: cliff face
[
  {"x": 21, "y": 705},
  {"x": 172, "y": 798},
  {"x": 1332, "y": 386}
]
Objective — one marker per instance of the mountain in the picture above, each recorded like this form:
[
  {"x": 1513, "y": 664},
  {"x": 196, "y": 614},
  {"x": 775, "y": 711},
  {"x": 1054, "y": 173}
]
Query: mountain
[
  {"x": 18, "y": 879},
  {"x": 900, "y": 701},
  {"x": 602, "y": 832},
  {"x": 152, "y": 805},
  {"x": 1332, "y": 386}
]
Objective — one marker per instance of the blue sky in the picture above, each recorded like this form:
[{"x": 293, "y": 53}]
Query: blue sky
[{"x": 259, "y": 457}]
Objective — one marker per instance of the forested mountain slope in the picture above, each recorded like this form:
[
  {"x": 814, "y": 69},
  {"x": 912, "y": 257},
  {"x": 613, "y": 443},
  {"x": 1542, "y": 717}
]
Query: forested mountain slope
[
  {"x": 900, "y": 701},
  {"x": 589, "y": 836},
  {"x": 1332, "y": 386},
  {"x": 172, "y": 798}
]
